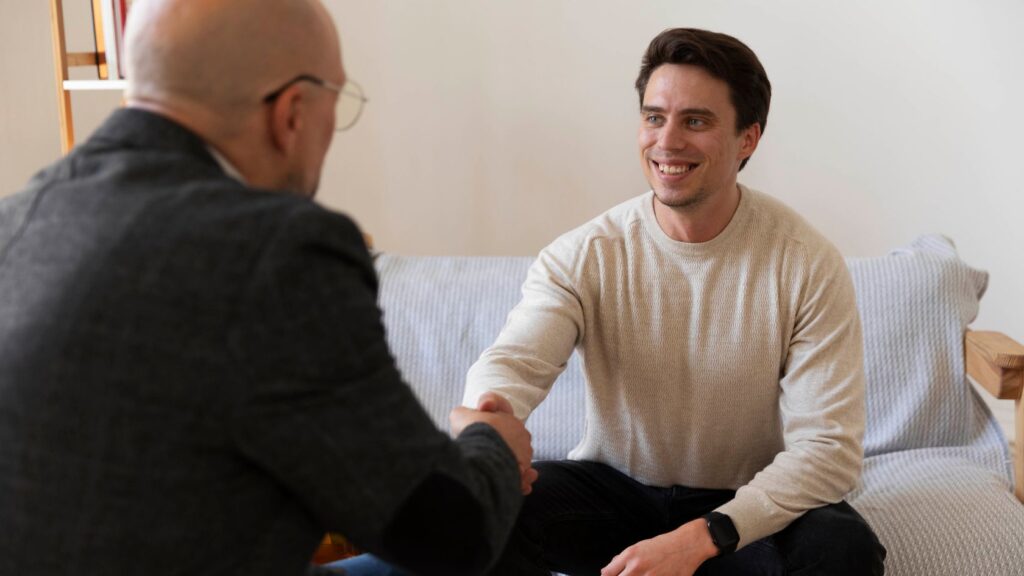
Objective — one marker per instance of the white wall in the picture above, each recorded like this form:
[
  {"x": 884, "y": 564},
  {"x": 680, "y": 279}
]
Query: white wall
[{"x": 494, "y": 126}]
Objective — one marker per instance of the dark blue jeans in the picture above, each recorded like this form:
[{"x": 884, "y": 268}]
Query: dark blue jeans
[{"x": 581, "y": 514}]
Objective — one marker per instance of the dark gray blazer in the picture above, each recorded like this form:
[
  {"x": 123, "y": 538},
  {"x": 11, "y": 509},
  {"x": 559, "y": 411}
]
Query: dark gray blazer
[{"x": 194, "y": 380}]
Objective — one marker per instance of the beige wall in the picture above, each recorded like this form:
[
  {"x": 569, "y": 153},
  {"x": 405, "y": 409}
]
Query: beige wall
[{"x": 494, "y": 126}]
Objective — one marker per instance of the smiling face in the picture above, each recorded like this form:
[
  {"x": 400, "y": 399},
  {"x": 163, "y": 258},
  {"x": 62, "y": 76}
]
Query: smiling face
[{"x": 689, "y": 145}]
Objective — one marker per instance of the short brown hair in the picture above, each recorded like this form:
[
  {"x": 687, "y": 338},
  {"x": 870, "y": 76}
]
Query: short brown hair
[{"x": 725, "y": 58}]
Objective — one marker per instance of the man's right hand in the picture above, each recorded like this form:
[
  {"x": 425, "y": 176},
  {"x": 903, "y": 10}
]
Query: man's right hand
[
  {"x": 677, "y": 553},
  {"x": 496, "y": 411}
]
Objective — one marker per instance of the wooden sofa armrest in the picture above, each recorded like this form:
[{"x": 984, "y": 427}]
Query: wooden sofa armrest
[{"x": 996, "y": 362}]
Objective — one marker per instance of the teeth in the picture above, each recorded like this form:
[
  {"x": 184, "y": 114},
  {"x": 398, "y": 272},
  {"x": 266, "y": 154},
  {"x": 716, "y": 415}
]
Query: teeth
[{"x": 670, "y": 169}]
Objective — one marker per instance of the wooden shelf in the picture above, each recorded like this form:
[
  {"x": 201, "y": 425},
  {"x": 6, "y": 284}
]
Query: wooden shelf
[
  {"x": 63, "y": 60},
  {"x": 95, "y": 84}
]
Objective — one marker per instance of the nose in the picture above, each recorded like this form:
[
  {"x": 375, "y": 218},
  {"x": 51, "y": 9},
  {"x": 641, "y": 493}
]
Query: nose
[{"x": 672, "y": 137}]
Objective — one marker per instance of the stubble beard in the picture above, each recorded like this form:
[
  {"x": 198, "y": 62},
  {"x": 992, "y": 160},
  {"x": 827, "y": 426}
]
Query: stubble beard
[{"x": 684, "y": 204}]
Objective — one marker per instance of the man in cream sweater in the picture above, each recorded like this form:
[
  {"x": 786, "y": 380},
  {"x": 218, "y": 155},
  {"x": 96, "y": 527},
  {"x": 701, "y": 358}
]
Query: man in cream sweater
[{"x": 722, "y": 349}]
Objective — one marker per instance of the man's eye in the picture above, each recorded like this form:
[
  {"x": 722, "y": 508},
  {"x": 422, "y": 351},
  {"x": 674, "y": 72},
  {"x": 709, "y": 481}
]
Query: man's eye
[
  {"x": 695, "y": 123},
  {"x": 652, "y": 119}
]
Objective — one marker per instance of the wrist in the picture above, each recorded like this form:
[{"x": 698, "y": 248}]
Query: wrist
[
  {"x": 696, "y": 532},
  {"x": 722, "y": 531}
]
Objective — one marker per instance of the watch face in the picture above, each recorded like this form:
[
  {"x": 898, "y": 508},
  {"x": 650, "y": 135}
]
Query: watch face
[{"x": 723, "y": 532}]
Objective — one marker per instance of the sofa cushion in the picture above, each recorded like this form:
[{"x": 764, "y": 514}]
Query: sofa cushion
[
  {"x": 915, "y": 304},
  {"x": 942, "y": 512}
]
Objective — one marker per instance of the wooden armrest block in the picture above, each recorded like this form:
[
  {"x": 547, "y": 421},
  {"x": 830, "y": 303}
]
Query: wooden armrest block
[
  {"x": 996, "y": 362},
  {"x": 1002, "y": 350}
]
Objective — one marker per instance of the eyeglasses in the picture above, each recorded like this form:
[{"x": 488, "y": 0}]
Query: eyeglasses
[{"x": 350, "y": 99}]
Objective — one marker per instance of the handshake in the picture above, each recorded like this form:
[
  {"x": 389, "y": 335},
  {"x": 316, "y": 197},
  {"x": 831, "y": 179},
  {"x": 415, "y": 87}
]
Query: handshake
[{"x": 496, "y": 411}]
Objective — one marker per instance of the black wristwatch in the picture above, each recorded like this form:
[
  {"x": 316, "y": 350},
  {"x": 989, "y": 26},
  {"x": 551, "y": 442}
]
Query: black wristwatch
[{"x": 723, "y": 532}]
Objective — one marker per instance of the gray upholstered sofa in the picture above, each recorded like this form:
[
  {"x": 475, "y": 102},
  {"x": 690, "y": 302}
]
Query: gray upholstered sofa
[{"x": 937, "y": 482}]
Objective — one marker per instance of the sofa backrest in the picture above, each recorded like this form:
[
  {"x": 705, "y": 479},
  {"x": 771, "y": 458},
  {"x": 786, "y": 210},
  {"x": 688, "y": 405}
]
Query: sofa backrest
[
  {"x": 442, "y": 312},
  {"x": 915, "y": 303}
]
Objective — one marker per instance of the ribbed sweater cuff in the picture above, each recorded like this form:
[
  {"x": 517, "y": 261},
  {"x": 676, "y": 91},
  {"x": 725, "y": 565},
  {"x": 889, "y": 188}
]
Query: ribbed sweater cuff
[{"x": 754, "y": 517}]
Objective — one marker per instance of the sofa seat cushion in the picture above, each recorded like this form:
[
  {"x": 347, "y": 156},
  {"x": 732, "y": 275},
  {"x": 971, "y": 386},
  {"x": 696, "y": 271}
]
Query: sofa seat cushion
[{"x": 943, "y": 511}]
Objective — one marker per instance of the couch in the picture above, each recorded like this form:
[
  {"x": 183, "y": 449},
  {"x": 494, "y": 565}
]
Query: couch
[{"x": 937, "y": 485}]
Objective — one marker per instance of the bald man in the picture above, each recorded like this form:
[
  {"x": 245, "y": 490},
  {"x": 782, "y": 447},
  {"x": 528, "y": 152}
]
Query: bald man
[{"x": 193, "y": 372}]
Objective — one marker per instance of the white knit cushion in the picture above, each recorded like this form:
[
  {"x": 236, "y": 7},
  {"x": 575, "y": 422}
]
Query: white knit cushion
[
  {"x": 915, "y": 304},
  {"x": 943, "y": 512}
]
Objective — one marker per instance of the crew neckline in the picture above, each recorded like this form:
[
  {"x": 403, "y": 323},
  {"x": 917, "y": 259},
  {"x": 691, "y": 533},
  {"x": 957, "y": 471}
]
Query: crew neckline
[{"x": 695, "y": 248}]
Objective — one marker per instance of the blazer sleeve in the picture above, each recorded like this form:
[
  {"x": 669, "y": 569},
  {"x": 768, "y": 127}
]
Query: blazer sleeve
[{"x": 323, "y": 409}]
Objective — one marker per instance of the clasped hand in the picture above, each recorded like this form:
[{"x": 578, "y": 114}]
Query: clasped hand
[{"x": 495, "y": 410}]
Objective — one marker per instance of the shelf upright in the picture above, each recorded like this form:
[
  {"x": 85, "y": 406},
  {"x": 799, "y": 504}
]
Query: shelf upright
[{"x": 63, "y": 60}]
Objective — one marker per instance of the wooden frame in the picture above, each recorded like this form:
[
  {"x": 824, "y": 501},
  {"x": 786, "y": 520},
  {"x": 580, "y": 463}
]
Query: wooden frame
[
  {"x": 996, "y": 362},
  {"x": 63, "y": 61}
]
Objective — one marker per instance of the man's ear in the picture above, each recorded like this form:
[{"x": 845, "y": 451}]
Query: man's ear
[
  {"x": 749, "y": 138},
  {"x": 286, "y": 120}
]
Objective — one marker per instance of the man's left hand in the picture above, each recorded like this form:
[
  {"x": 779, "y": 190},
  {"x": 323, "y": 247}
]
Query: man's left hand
[{"x": 677, "y": 553}]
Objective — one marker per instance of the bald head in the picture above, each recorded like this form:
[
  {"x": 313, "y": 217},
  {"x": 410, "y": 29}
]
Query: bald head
[{"x": 219, "y": 57}]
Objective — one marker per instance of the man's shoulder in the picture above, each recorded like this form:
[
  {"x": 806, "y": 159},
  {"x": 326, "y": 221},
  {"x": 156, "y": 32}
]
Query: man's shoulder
[
  {"x": 610, "y": 227},
  {"x": 164, "y": 204},
  {"x": 191, "y": 193},
  {"x": 302, "y": 221},
  {"x": 175, "y": 176},
  {"x": 787, "y": 228},
  {"x": 271, "y": 229},
  {"x": 276, "y": 208}
]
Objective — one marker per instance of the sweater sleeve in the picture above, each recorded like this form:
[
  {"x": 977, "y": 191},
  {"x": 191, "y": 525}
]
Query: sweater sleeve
[
  {"x": 538, "y": 338},
  {"x": 324, "y": 411},
  {"x": 822, "y": 409}
]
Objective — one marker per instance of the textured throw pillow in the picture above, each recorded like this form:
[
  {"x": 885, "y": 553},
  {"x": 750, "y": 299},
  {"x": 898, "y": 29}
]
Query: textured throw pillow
[{"x": 915, "y": 304}]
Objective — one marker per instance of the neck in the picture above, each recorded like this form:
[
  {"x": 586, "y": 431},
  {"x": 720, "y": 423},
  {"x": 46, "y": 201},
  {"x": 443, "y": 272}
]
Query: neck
[
  {"x": 247, "y": 156},
  {"x": 239, "y": 145},
  {"x": 700, "y": 223}
]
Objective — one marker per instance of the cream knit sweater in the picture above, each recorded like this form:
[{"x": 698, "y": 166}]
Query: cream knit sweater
[{"x": 734, "y": 363}]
